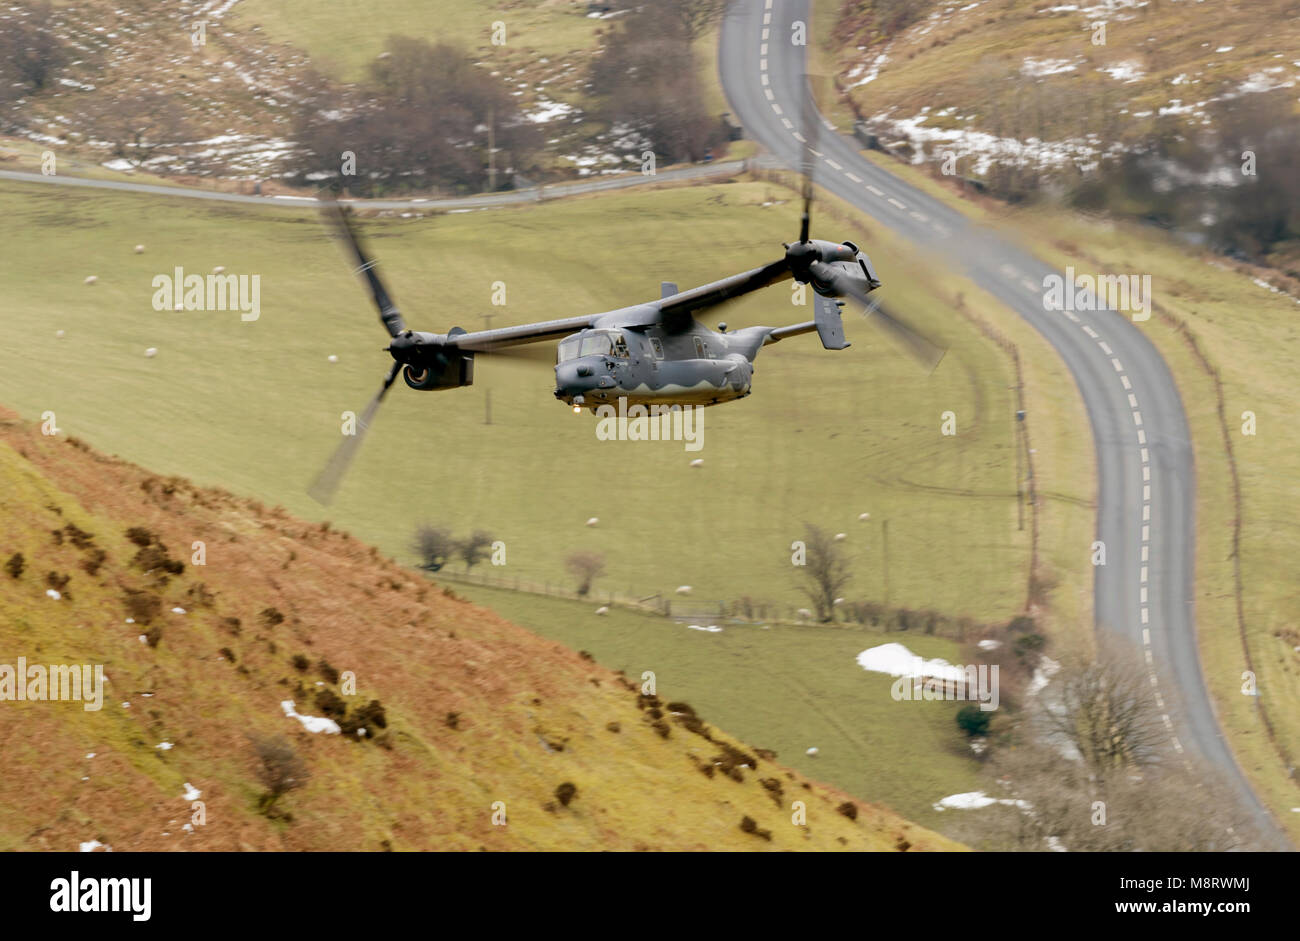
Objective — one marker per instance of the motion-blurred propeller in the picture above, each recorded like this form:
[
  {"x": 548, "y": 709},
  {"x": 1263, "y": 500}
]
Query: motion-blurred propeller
[{"x": 327, "y": 482}]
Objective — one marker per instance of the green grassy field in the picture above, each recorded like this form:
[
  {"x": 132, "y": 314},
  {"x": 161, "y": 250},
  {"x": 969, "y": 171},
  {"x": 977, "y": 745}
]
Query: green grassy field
[
  {"x": 781, "y": 687},
  {"x": 256, "y": 406}
]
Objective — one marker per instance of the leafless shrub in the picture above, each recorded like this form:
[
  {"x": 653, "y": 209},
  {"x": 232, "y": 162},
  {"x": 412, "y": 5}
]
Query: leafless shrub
[
  {"x": 279, "y": 769},
  {"x": 586, "y": 567},
  {"x": 825, "y": 569}
]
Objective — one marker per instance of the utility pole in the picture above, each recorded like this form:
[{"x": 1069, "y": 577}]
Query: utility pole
[
  {"x": 492, "y": 151},
  {"x": 487, "y": 401},
  {"x": 884, "y": 545}
]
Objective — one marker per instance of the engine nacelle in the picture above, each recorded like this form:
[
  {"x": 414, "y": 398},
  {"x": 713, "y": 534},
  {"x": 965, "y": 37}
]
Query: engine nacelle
[{"x": 442, "y": 370}]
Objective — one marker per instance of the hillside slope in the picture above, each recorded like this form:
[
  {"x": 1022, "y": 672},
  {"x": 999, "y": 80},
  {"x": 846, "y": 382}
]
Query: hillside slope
[
  {"x": 1046, "y": 82},
  {"x": 474, "y": 709}
]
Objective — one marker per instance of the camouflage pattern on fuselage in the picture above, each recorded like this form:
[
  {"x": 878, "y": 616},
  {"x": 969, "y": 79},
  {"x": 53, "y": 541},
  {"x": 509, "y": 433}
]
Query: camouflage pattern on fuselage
[{"x": 649, "y": 365}]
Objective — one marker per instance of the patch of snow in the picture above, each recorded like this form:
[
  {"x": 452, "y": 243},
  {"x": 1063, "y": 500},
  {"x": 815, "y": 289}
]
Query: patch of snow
[
  {"x": 1126, "y": 72},
  {"x": 548, "y": 110},
  {"x": 1038, "y": 68},
  {"x": 973, "y": 800},
  {"x": 1043, "y": 674},
  {"x": 897, "y": 660},
  {"x": 872, "y": 71},
  {"x": 311, "y": 723}
]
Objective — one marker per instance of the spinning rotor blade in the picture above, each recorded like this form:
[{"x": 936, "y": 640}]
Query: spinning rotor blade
[
  {"x": 808, "y": 123},
  {"x": 921, "y": 348},
  {"x": 327, "y": 482},
  {"x": 391, "y": 317}
]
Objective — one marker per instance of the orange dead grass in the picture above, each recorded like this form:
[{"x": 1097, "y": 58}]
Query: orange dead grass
[{"x": 528, "y": 715}]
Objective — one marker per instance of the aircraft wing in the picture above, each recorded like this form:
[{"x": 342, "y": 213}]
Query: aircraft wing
[
  {"x": 504, "y": 337},
  {"x": 674, "y": 310},
  {"x": 678, "y": 306}
]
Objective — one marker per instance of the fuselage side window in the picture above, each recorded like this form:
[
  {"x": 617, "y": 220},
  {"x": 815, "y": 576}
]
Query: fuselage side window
[{"x": 657, "y": 346}]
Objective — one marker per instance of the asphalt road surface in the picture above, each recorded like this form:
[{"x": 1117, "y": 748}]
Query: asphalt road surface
[
  {"x": 483, "y": 201},
  {"x": 1145, "y": 470}
]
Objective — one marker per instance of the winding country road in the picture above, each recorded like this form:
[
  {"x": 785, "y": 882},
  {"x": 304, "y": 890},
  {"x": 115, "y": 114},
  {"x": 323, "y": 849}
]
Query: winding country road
[{"x": 1145, "y": 468}]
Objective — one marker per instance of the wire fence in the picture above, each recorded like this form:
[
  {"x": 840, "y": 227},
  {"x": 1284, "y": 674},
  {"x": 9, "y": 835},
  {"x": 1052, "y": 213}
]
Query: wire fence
[{"x": 744, "y": 610}]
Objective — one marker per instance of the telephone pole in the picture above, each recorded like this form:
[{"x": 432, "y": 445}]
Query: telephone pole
[
  {"x": 492, "y": 151},
  {"x": 487, "y": 401}
]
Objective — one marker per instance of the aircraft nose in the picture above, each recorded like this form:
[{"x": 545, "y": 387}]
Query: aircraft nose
[
  {"x": 566, "y": 375},
  {"x": 577, "y": 378}
]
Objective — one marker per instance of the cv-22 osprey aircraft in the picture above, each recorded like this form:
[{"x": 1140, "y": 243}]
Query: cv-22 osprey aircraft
[{"x": 654, "y": 353}]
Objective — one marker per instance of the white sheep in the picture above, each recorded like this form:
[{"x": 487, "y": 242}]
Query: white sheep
[
  {"x": 91, "y": 279},
  {"x": 151, "y": 352},
  {"x": 593, "y": 521},
  {"x": 603, "y": 609},
  {"x": 863, "y": 517},
  {"x": 333, "y": 358},
  {"x": 698, "y": 462},
  {"x": 683, "y": 589},
  {"x": 812, "y": 752},
  {"x": 840, "y": 537},
  {"x": 139, "y": 249}
]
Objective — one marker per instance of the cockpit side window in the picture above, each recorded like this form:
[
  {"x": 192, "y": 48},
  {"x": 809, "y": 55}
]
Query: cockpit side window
[
  {"x": 620, "y": 346},
  {"x": 568, "y": 349},
  {"x": 596, "y": 344}
]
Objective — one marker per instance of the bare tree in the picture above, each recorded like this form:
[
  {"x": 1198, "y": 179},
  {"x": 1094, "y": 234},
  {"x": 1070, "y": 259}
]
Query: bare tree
[
  {"x": 139, "y": 125},
  {"x": 434, "y": 545},
  {"x": 695, "y": 15},
  {"x": 30, "y": 50},
  {"x": 1087, "y": 771},
  {"x": 646, "y": 79},
  {"x": 279, "y": 769},
  {"x": 421, "y": 119},
  {"x": 586, "y": 567},
  {"x": 825, "y": 569},
  {"x": 474, "y": 548},
  {"x": 1105, "y": 710},
  {"x": 1047, "y": 802}
]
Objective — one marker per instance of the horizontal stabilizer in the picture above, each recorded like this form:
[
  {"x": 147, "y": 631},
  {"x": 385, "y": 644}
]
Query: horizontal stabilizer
[{"x": 829, "y": 325}]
